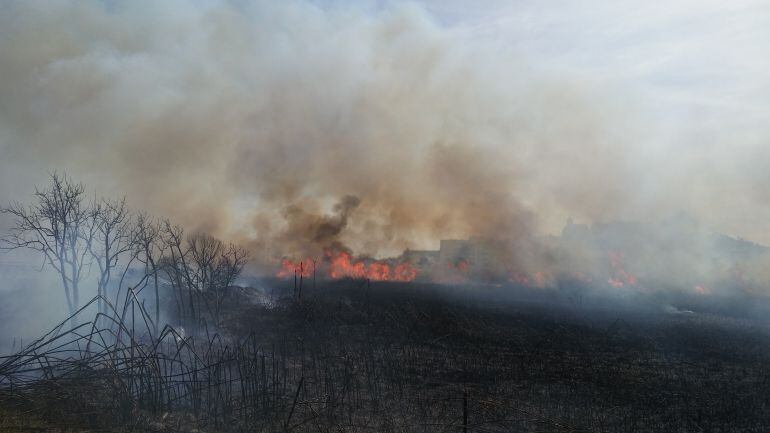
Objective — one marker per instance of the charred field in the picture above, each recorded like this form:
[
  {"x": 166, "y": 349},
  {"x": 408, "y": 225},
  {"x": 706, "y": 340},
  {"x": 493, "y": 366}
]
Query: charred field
[
  {"x": 356, "y": 356},
  {"x": 346, "y": 216}
]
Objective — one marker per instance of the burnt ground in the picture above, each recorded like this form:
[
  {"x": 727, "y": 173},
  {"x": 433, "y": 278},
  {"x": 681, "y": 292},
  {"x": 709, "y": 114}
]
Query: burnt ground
[{"x": 355, "y": 357}]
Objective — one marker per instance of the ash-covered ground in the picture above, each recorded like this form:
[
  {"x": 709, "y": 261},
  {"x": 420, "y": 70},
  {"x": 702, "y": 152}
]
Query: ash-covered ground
[{"x": 354, "y": 356}]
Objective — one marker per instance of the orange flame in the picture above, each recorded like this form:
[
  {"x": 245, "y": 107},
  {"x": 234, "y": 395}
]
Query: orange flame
[
  {"x": 289, "y": 268},
  {"x": 342, "y": 265}
]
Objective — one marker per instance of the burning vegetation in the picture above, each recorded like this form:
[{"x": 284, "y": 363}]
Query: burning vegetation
[
  {"x": 347, "y": 219},
  {"x": 630, "y": 257},
  {"x": 341, "y": 264},
  {"x": 177, "y": 339}
]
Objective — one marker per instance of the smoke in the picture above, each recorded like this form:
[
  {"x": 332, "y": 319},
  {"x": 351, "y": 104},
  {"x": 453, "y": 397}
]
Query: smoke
[
  {"x": 306, "y": 226},
  {"x": 289, "y": 126}
]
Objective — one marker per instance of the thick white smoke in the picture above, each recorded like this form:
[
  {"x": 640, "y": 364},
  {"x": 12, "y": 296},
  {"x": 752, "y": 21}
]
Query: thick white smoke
[{"x": 253, "y": 121}]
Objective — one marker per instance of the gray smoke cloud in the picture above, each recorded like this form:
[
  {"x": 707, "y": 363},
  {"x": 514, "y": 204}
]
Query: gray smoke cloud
[{"x": 288, "y": 126}]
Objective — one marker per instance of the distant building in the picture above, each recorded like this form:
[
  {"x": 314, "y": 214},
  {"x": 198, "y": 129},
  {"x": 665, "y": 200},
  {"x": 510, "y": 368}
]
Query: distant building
[
  {"x": 453, "y": 250},
  {"x": 422, "y": 258},
  {"x": 576, "y": 233},
  {"x": 478, "y": 251}
]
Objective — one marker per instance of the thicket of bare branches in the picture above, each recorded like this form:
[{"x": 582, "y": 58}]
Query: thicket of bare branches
[
  {"x": 149, "y": 248},
  {"x": 114, "y": 236},
  {"x": 201, "y": 270},
  {"x": 75, "y": 237},
  {"x": 57, "y": 225}
]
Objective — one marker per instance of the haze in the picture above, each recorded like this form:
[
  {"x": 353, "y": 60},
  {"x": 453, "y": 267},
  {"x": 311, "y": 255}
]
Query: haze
[{"x": 256, "y": 121}]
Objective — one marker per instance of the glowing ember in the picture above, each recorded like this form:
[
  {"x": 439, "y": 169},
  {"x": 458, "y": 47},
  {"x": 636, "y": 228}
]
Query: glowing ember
[
  {"x": 702, "y": 290},
  {"x": 463, "y": 266},
  {"x": 519, "y": 278},
  {"x": 621, "y": 277}
]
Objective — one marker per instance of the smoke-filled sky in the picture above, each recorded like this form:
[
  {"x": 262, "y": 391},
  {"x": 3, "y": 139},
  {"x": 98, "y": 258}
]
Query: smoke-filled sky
[{"x": 384, "y": 125}]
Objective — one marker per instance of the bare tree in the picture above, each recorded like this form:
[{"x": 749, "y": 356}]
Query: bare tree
[
  {"x": 176, "y": 267},
  {"x": 57, "y": 225},
  {"x": 149, "y": 250},
  {"x": 114, "y": 236},
  {"x": 201, "y": 269},
  {"x": 215, "y": 268}
]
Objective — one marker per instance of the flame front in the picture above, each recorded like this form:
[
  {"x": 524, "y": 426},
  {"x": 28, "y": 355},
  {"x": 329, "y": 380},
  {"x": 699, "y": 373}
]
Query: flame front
[
  {"x": 341, "y": 264},
  {"x": 289, "y": 268}
]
